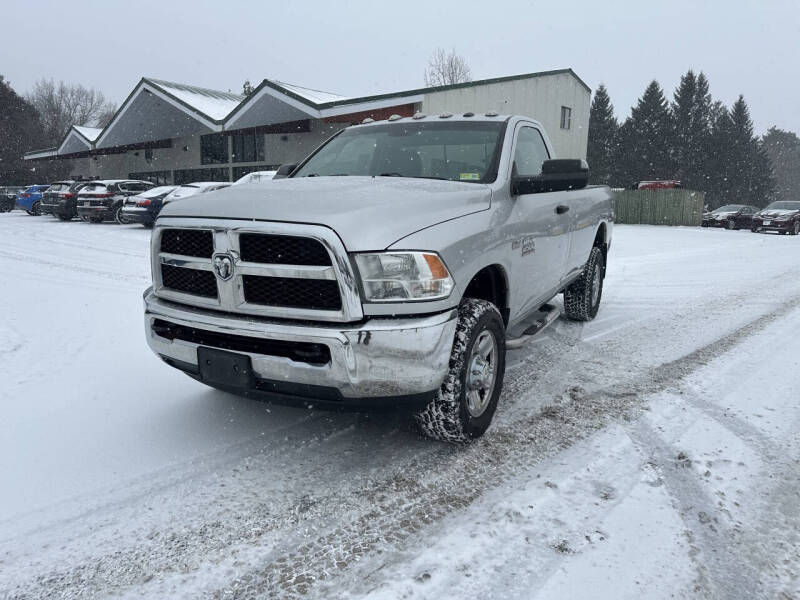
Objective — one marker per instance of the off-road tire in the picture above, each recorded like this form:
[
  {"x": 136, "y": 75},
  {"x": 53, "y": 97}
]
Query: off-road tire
[
  {"x": 578, "y": 302},
  {"x": 446, "y": 417}
]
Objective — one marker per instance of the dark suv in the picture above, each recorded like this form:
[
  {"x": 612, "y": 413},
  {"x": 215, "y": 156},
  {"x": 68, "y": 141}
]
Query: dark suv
[
  {"x": 61, "y": 198},
  {"x": 102, "y": 200}
]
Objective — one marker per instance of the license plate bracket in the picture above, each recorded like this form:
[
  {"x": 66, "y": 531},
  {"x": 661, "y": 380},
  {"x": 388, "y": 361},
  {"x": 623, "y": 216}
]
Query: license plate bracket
[
  {"x": 767, "y": 222},
  {"x": 225, "y": 368}
]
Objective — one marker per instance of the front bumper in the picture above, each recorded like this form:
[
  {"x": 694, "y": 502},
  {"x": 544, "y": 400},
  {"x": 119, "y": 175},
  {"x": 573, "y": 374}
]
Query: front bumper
[
  {"x": 773, "y": 225},
  {"x": 378, "y": 362}
]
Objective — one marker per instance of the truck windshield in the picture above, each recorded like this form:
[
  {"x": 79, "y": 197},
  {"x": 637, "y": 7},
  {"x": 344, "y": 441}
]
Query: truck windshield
[{"x": 455, "y": 151}]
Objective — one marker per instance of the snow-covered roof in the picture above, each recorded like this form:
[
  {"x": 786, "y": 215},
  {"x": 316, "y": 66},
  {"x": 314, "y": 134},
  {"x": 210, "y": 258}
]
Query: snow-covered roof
[
  {"x": 312, "y": 95},
  {"x": 212, "y": 103},
  {"x": 90, "y": 133}
]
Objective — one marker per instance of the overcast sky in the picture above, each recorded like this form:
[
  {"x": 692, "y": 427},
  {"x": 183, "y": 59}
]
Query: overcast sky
[{"x": 362, "y": 48}]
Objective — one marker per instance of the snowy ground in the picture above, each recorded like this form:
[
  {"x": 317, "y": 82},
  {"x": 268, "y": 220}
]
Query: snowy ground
[{"x": 651, "y": 453}]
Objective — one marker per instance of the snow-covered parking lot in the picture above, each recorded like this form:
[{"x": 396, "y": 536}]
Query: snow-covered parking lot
[{"x": 651, "y": 453}]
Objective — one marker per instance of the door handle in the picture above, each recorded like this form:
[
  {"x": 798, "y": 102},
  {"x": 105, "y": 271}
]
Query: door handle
[{"x": 561, "y": 209}]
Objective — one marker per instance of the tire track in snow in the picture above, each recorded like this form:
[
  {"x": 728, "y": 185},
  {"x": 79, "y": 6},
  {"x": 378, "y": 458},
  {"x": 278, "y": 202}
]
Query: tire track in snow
[
  {"x": 413, "y": 505},
  {"x": 387, "y": 511}
]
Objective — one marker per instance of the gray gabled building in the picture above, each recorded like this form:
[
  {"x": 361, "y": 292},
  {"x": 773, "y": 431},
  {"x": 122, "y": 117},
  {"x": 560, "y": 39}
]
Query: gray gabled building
[{"x": 174, "y": 133}]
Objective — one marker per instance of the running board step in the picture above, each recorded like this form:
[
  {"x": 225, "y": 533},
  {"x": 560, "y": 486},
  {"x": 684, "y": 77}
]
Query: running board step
[{"x": 542, "y": 319}]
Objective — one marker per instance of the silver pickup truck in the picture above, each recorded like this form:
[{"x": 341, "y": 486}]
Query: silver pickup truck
[{"x": 394, "y": 265}]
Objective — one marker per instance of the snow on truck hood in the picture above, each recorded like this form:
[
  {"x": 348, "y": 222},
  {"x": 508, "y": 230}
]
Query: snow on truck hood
[{"x": 368, "y": 213}]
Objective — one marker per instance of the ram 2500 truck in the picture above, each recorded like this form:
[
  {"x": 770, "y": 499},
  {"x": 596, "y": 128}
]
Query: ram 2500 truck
[{"x": 394, "y": 265}]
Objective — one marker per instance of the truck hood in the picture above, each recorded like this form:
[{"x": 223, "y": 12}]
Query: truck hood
[{"x": 368, "y": 213}]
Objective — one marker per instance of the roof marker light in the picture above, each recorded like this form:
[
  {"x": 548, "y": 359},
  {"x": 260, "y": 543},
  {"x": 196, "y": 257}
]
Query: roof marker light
[
  {"x": 491, "y": 113},
  {"x": 419, "y": 115},
  {"x": 445, "y": 115},
  {"x": 469, "y": 114},
  {"x": 368, "y": 120},
  {"x": 395, "y": 118}
]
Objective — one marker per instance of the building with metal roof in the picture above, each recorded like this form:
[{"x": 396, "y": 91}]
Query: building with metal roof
[{"x": 173, "y": 133}]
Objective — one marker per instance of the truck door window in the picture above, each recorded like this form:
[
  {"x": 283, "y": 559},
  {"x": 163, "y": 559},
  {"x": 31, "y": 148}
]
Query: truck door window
[{"x": 530, "y": 153}]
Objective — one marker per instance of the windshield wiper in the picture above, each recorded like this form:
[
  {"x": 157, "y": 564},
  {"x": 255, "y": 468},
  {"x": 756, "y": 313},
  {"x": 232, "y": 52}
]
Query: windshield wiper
[
  {"x": 392, "y": 174},
  {"x": 334, "y": 175}
]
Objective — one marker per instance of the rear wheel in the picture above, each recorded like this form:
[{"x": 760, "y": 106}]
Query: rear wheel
[
  {"x": 795, "y": 228},
  {"x": 35, "y": 210},
  {"x": 466, "y": 402},
  {"x": 582, "y": 297},
  {"x": 119, "y": 217},
  {"x": 731, "y": 224}
]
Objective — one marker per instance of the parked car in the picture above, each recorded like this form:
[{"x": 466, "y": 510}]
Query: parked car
[
  {"x": 144, "y": 208},
  {"x": 730, "y": 216},
  {"x": 659, "y": 185},
  {"x": 61, "y": 199},
  {"x": 102, "y": 200},
  {"x": 8, "y": 197},
  {"x": 190, "y": 189},
  {"x": 782, "y": 216},
  {"x": 256, "y": 177},
  {"x": 383, "y": 273},
  {"x": 30, "y": 199}
]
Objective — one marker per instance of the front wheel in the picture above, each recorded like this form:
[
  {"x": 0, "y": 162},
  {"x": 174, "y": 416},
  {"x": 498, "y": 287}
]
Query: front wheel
[
  {"x": 64, "y": 217},
  {"x": 582, "y": 297},
  {"x": 467, "y": 399}
]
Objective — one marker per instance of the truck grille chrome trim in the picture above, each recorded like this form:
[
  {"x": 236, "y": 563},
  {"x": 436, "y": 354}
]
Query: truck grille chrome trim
[{"x": 311, "y": 278}]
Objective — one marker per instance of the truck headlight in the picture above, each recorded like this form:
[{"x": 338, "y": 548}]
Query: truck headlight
[{"x": 403, "y": 276}]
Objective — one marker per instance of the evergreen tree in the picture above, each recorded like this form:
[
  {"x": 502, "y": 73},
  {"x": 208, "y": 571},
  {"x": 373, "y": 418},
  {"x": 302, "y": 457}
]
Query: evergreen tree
[
  {"x": 645, "y": 139},
  {"x": 783, "y": 149},
  {"x": 691, "y": 112},
  {"x": 751, "y": 180},
  {"x": 603, "y": 132},
  {"x": 20, "y": 132}
]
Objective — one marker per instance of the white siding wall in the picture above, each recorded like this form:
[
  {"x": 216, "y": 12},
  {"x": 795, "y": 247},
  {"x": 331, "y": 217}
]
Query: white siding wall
[{"x": 538, "y": 97}]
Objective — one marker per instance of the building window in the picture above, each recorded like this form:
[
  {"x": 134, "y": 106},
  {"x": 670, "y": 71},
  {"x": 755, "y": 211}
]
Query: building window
[
  {"x": 247, "y": 147},
  {"x": 213, "y": 149},
  {"x": 157, "y": 177},
  {"x": 566, "y": 117},
  {"x": 148, "y": 154},
  {"x": 239, "y": 172},
  {"x": 182, "y": 176}
]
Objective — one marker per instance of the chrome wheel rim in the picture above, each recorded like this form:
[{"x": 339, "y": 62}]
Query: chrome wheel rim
[
  {"x": 481, "y": 373},
  {"x": 595, "y": 285}
]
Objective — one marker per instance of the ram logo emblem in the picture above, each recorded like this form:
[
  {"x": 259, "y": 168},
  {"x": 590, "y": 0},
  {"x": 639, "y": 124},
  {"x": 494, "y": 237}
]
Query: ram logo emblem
[{"x": 223, "y": 266}]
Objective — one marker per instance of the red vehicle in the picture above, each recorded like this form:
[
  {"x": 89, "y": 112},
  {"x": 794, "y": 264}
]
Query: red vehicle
[{"x": 659, "y": 185}]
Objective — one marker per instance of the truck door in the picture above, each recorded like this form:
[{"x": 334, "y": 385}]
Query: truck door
[{"x": 539, "y": 226}]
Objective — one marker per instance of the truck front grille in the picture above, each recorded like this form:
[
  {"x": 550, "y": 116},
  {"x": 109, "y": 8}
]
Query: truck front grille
[
  {"x": 189, "y": 281},
  {"x": 283, "y": 250},
  {"x": 314, "y": 294},
  {"x": 188, "y": 242},
  {"x": 264, "y": 269}
]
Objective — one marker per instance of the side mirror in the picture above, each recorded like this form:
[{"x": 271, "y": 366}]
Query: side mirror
[
  {"x": 285, "y": 170},
  {"x": 558, "y": 174}
]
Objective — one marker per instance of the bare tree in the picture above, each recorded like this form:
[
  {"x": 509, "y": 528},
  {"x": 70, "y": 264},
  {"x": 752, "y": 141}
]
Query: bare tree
[
  {"x": 446, "y": 68},
  {"x": 62, "y": 105}
]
